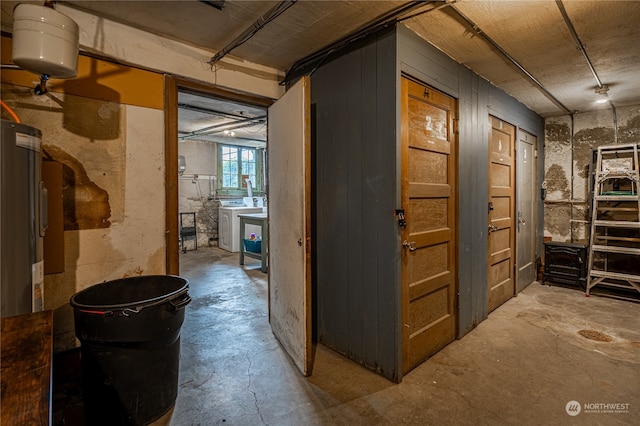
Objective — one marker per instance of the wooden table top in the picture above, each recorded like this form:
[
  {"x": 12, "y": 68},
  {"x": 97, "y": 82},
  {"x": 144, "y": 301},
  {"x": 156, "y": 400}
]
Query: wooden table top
[{"x": 25, "y": 369}]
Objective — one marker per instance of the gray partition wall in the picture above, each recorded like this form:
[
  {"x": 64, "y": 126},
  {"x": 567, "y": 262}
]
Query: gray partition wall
[{"x": 355, "y": 96}]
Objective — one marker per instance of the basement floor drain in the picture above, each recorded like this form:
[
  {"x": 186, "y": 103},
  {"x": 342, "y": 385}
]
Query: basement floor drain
[{"x": 595, "y": 335}]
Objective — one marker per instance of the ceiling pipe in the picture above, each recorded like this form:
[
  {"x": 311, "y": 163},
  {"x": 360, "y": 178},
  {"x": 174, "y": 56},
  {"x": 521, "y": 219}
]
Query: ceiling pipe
[
  {"x": 253, "y": 29},
  {"x": 219, "y": 4},
  {"x": 210, "y": 111},
  {"x": 380, "y": 22},
  {"x": 444, "y": 4},
  {"x": 574, "y": 34},
  {"x": 216, "y": 128},
  {"x": 488, "y": 39}
]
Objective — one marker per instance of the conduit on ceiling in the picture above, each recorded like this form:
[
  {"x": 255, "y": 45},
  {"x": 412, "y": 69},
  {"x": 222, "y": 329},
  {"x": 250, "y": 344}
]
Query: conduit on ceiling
[
  {"x": 504, "y": 53},
  {"x": 218, "y": 4},
  {"x": 217, "y": 128},
  {"x": 602, "y": 88},
  {"x": 379, "y": 23},
  {"x": 253, "y": 29},
  {"x": 574, "y": 34}
]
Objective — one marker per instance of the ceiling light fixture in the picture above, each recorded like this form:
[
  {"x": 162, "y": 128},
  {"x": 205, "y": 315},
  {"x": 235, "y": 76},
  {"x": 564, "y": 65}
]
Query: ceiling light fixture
[{"x": 602, "y": 94}]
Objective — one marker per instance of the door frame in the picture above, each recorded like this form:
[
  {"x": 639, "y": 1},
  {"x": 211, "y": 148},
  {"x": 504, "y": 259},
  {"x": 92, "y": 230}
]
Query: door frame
[{"x": 172, "y": 86}]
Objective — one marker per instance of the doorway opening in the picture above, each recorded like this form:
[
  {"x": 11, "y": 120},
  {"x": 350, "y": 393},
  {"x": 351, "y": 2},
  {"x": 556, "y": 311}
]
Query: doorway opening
[
  {"x": 216, "y": 166},
  {"x": 221, "y": 170},
  {"x": 289, "y": 209}
]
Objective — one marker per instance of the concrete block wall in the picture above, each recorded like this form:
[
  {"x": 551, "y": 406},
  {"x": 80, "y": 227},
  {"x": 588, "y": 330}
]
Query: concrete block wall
[
  {"x": 568, "y": 150},
  {"x": 197, "y": 188}
]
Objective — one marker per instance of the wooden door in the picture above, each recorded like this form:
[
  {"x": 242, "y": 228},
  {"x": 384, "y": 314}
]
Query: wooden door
[
  {"x": 429, "y": 238},
  {"x": 526, "y": 213},
  {"x": 289, "y": 219},
  {"x": 501, "y": 236}
]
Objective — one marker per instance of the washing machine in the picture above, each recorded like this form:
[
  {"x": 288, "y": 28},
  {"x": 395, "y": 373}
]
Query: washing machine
[{"x": 229, "y": 224}]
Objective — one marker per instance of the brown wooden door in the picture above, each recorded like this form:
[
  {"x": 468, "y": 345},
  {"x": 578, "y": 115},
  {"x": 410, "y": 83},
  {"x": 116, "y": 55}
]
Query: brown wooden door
[
  {"x": 429, "y": 239},
  {"x": 501, "y": 233}
]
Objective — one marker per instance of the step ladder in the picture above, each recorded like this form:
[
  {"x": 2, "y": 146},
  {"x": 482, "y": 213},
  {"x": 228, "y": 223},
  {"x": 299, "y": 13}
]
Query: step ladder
[{"x": 614, "y": 244}]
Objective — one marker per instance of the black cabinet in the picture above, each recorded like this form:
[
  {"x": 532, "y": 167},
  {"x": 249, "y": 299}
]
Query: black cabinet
[{"x": 565, "y": 263}]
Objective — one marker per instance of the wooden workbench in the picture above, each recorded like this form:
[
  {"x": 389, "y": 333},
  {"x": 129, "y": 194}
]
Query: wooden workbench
[{"x": 25, "y": 363}]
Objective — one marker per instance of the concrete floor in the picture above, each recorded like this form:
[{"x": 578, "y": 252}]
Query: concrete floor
[{"x": 523, "y": 365}]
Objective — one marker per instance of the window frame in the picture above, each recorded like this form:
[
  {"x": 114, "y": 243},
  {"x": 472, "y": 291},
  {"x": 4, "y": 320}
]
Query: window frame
[{"x": 241, "y": 191}]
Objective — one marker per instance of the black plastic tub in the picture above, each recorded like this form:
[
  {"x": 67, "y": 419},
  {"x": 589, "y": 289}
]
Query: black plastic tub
[{"x": 129, "y": 330}]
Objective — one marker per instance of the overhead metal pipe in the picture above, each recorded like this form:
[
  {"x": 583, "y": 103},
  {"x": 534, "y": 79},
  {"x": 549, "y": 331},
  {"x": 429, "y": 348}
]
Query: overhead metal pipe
[
  {"x": 253, "y": 29},
  {"x": 218, "y": 4},
  {"x": 225, "y": 126},
  {"x": 581, "y": 48},
  {"x": 210, "y": 111},
  {"x": 489, "y": 40},
  {"x": 380, "y": 22}
]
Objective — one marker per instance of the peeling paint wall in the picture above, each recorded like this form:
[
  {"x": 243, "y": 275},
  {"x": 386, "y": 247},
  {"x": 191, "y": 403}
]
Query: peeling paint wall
[
  {"x": 568, "y": 155},
  {"x": 197, "y": 188},
  {"x": 110, "y": 142},
  {"x": 113, "y": 191}
]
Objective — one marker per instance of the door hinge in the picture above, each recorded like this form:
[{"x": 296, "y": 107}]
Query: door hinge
[{"x": 535, "y": 153}]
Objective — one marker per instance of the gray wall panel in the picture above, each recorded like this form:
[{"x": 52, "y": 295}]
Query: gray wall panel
[
  {"x": 354, "y": 212},
  {"x": 473, "y": 214},
  {"x": 426, "y": 63},
  {"x": 330, "y": 233},
  {"x": 383, "y": 179},
  {"x": 354, "y": 97},
  {"x": 356, "y": 100}
]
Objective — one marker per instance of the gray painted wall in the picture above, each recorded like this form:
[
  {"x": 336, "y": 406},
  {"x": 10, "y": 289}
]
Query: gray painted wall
[
  {"x": 356, "y": 108},
  {"x": 353, "y": 98}
]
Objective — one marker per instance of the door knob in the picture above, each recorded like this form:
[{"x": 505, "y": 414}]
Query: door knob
[
  {"x": 493, "y": 228},
  {"x": 411, "y": 245}
]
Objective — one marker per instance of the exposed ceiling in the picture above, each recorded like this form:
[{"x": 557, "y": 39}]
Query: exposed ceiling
[
  {"x": 210, "y": 119},
  {"x": 550, "y": 63}
]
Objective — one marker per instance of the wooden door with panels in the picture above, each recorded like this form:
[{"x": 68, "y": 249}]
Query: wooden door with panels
[
  {"x": 428, "y": 222},
  {"x": 501, "y": 235}
]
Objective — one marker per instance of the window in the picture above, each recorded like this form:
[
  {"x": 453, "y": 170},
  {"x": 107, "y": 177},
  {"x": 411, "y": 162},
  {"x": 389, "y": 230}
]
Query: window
[{"x": 236, "y": 165}]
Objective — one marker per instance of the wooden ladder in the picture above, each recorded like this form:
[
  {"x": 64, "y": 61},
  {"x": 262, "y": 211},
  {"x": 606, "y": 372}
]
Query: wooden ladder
[{"x": 614, "y": 244}]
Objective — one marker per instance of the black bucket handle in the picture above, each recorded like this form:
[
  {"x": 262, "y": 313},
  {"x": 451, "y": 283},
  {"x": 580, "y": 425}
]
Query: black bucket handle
[
  {"x": 182, "y": 303},
  {"x": 127, "y": 311}
]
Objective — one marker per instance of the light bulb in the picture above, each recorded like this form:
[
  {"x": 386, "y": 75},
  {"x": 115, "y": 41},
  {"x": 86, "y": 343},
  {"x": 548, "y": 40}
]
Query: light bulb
[{"x": 602, "y": 94}]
